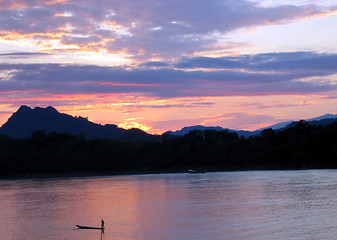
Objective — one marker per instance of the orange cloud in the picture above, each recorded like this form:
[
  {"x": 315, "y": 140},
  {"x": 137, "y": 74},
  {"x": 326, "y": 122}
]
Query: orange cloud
[
  {"x": 50, "y": 2},
  {"x": 12, "y": 4},
  {"x": 334, "y": 12},
  {"x": 8, "y": 4}
]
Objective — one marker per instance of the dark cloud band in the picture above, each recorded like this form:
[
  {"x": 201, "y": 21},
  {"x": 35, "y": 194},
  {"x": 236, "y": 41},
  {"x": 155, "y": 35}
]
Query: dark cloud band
[{"x": 262, "y": 74}]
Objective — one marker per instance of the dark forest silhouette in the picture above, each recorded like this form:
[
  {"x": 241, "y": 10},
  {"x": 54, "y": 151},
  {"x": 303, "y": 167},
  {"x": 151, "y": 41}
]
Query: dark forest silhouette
[{"x": 300, "y": 146}]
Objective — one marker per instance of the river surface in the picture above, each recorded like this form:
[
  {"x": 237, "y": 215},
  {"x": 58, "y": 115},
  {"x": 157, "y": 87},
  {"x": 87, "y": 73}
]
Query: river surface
[{"x": 254, "y": 205}]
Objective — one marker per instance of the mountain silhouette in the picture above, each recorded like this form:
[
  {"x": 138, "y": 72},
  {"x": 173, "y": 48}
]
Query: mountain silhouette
[
  {"x": 323, "y": 120},
  {"x": 186, "y": 130},
  {"x": 27, "y": 120}
]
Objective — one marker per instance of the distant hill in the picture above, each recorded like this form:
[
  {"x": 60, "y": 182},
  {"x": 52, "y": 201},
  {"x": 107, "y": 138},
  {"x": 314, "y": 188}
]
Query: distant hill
[
  {"x": 317, "y": 121},
  {"x": 323, "y": 120},
  {"x": 27, "y": 120},
  {"x": 186, "y": 130}
]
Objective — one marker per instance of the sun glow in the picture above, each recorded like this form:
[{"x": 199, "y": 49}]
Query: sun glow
[{"x": 133, "y": 123}]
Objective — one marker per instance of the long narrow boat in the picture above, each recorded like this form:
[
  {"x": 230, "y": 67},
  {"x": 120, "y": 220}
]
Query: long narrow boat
[
  {"x": 191, "y": 171},
  {"x": 85, "y": 227}
]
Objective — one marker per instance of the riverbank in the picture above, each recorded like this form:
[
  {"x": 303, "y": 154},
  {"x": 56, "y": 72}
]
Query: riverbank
[
  {"x": 142, "y": 172},
  {"x": 83, "y": 175}
]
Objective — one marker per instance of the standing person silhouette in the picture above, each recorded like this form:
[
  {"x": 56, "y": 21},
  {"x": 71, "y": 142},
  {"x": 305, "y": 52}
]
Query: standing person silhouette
[{"x": 102, "y": 223}]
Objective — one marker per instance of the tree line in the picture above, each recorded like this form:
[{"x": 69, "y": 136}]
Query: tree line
[{"x": 299, "y": 147}]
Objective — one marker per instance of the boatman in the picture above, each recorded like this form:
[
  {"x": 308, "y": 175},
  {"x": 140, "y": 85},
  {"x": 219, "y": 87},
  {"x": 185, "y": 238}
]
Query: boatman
[{"x": 102, "y": 223}]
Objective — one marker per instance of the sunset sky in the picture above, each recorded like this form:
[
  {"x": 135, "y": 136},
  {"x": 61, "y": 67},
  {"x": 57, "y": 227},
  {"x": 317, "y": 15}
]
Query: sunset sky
[{"x": 164, "y": 64}]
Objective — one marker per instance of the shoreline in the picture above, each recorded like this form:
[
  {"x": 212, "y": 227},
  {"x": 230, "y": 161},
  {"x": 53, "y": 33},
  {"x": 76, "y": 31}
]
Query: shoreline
[
  {"x": 82, "y": 175},
  {"x": 130, "y": 173}
]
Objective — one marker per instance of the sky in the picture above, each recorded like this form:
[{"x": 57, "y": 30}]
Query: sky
[{"x": 160, "y": 65}]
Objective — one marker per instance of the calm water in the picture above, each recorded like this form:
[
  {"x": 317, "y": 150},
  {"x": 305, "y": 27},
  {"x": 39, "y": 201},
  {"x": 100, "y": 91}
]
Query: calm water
[{"x": 235, "y": 206}]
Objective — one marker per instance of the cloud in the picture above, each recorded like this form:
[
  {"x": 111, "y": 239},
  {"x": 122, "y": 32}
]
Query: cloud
[
  {"x": 144, "y": 29},
  {"x": 330, "y": 97},
  {"x": 4, "y": 113},
  {"x": 80, "y": 40},
  {"x": 262, "y": 74},
  {"x": 23, "y": 54},
  {"x": 274, "y": 105},
  {"x": 154, "y": 64},
  {"x": 140, "y": 107},
  {"x": 316, "y": 63},
  {"x": 179, "y": 27}
]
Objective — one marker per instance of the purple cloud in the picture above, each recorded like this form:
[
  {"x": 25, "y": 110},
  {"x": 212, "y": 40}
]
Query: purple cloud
[
  {"x": 178, "y": 105},
  {"x": 4, "y": 113},
  {"x": 154, "y": 64},
  {"x": 80, "y": 40},
  {"x": 143, "y": 28},
  {"x": 272, "y": 105},
  {"x": 23, "y": 54},
  {"x": 288, "y": 61},
  {"x": 279, "y": 75}
]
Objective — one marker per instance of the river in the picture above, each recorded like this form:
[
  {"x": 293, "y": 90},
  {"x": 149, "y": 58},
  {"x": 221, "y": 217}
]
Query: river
[{"x": 254, "y": 205}]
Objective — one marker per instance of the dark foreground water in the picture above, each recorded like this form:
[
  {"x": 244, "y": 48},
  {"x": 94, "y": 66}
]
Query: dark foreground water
[{"x": 275, "y": 205}]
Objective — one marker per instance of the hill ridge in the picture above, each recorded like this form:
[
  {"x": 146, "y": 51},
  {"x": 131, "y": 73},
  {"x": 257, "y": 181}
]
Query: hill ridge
[
  {"x": 26, "y": 120},
  {"x": 320, "y": 120}
]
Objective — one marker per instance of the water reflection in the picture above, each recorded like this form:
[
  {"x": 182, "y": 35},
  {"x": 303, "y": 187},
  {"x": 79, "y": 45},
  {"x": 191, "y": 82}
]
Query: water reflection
[{"x": 241, "y": 205}]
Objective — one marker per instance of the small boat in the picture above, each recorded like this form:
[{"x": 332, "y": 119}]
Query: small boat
[
  {"x": 85, "y": 227},
  {"x": 194, "y": 171}
]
